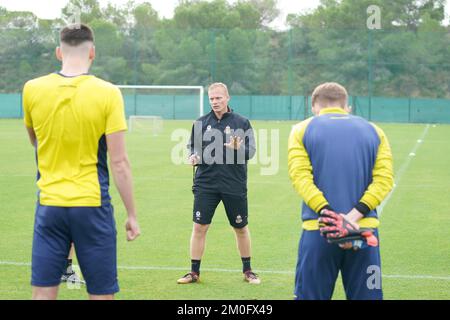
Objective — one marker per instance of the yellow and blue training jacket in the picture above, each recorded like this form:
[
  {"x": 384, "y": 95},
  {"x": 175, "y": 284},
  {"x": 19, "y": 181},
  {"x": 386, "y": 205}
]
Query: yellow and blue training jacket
[{"x": 342, "y": 161}]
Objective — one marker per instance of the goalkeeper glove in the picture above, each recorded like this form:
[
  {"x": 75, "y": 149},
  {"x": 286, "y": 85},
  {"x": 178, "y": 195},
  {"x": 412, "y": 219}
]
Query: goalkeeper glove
[
  {"x": 362, "y": 239},
  {"x": 337, "y": 229}
]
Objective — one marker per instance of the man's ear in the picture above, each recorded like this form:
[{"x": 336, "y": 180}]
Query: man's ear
[
  {"x": 92, "y": 53},
  {"x": 314, "y": 110},
  {"x": 58, "y": 53}
]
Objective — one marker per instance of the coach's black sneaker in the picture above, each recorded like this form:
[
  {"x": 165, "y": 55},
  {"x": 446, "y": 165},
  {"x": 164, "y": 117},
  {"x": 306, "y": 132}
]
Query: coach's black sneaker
[
  {"x": 190, "y": 277},
  {"x": 251, "y": 277},
  {"x": 72, "y": 278}
]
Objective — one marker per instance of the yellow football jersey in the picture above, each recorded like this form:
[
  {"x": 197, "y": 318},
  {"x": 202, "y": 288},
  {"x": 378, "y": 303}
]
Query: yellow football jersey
[{"x": 71, "y": 117}]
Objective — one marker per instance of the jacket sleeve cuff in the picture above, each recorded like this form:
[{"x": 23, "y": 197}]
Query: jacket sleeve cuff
[
  {"x": 363, "y": 208},
  {"x": 327, "y": 207}
]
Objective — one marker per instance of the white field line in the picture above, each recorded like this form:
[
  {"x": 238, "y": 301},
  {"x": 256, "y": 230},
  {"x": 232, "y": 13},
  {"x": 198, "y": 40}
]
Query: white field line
[
  {"x": 150, "y": 268},
  {"x": 18, "y": 175},
  {"x": 398, "y": 175}
]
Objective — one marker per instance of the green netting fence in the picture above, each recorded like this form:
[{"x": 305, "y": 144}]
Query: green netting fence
[
  {"x": 269, "y": 73},
  {"x": 259, "y": 107}
]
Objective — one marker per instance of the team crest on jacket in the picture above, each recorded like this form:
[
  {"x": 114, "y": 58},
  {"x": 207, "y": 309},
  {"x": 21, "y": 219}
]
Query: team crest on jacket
[
  {"x": 238, "y": 219},
  {"x": 227, "y": 130},
  {"x": 208, "y": 128}
]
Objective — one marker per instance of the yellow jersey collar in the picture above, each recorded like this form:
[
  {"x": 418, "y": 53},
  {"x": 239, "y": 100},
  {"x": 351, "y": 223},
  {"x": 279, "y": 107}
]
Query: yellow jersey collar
[{"x": 334, "y": 110}]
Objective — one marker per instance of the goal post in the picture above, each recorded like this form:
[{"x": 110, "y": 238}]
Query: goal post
[
  {"x": 146, "y": 124},
  {"x": 135, "y": 94}
]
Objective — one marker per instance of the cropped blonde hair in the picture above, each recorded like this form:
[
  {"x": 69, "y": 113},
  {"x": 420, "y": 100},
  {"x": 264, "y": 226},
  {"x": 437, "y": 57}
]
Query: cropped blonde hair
[
  {"x": 330, "y": 94},
  {"x": 219, "y": 85}
]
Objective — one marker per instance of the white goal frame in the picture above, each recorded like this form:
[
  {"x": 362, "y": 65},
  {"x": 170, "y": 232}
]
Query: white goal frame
[
  {"x": 200, "y": 88},
  {"x": 154, "y": 118}
]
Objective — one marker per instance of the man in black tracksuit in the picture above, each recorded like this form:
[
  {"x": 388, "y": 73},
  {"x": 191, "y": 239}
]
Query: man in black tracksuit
[{"x": 221, "y": 144}]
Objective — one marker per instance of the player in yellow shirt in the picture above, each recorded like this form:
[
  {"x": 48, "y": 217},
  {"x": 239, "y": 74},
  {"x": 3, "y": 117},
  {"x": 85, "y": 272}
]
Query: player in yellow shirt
[{"x": 73, "y": 120}]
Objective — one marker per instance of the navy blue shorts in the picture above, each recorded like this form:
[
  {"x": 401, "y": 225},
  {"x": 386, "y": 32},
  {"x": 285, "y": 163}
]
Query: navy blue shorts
[
  {"x": 93, "y": 232},
  {"x": 205, "y": 204},
  {"x": 319, "y": 264}
]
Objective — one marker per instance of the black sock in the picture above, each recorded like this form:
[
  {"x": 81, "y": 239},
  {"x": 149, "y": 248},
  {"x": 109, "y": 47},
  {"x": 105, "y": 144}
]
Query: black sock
[
  {"x": 246, "y": 264},
  {"x": 69, "y": 266},
  {"x": 195, "y": 266}
]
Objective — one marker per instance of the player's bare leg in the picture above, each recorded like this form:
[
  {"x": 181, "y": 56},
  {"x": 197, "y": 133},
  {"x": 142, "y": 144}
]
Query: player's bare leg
[
  {"x": 45, "y": 293},
  {"x": 243, "y": 241},
  {"x": 71, "y": 252},
  {"x": 101, "y": 297},
  {"x": 244, "y": 245},
  {"x": 198, "y": 241}
]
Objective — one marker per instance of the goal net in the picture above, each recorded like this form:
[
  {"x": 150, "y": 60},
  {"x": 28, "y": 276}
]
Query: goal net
[
  {"x": 146, "y": 124},
  {"x": 148, "y": 106}
]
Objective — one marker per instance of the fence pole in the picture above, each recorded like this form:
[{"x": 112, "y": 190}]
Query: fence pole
[
  {"x": 135, "y": 69},
  {"x": 251, "y": 107},
  {"x": 305, "y": 114},
  {"x": 213, "y": 56},
  {"x": 370, "y": 77},
  {"x": 291, "y": 76},
  {"x": 354, "y": 105},
  {"x": 409, "y": 110},
  {"x": 21, "y": 105},
  {"x": 173, "y": 106}
]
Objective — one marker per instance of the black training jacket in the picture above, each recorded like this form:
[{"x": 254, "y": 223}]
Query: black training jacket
[{"x": 221, "y": 169}]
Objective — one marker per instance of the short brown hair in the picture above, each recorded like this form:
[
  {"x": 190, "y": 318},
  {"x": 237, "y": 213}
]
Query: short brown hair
[
  {"x": 75, "y": 35},
  {"x": 330, "y": 93}
]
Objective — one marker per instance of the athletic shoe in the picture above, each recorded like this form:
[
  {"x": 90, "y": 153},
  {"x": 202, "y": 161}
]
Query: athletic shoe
[
  {"x": 251, "y": 277},
  {"x": 190, "y": 277},
  {"x": 72, "y": 278}
]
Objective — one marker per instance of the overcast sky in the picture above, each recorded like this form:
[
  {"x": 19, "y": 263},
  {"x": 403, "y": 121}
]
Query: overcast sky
[{"x": 48, "y": 9}]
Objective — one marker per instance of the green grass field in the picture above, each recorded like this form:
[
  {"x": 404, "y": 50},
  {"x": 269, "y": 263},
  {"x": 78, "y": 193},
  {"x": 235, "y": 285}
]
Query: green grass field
[{"x": 415, "y": 223}]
